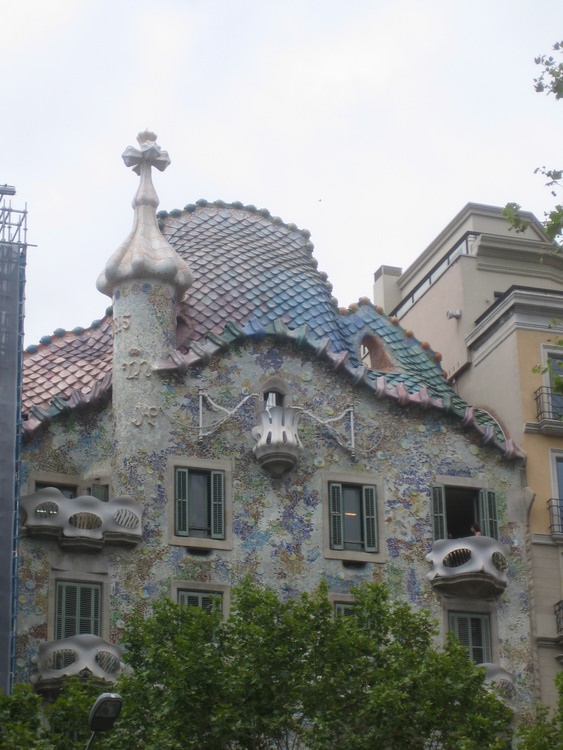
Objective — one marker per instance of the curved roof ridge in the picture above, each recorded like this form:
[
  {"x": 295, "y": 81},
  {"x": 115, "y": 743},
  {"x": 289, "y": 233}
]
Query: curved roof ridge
[
  {"x": 249, "y": 207},
  {"x": 60, "y": 333}
]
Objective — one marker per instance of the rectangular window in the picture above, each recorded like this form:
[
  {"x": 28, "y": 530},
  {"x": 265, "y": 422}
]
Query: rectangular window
[
  {"x": 206, "y": 600},
  {"x": 556, "y": 502},
  {"x": 353, "y": 517},
  {"x": 474, "y": 632},
  {"x": 344, "y": 609},
  {"x": 77, "y": 608},
  {"x": 199, "y": 503},
  {"x": 456, "y": 509},
  {"x": 100, "y": 491},
  {"x": 555, "y": 370}
]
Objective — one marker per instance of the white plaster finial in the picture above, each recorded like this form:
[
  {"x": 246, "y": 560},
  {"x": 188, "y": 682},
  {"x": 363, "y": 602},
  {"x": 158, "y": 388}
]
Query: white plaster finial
[{"x": 145, "y": 254}]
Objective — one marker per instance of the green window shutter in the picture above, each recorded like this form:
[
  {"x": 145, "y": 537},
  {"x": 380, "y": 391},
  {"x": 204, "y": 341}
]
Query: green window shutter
[
  {"x": 181, "y": 501},
  {"x": 77, "y": 609},
  {"x": 439, "y": 526},
  {"x": 488, "y": 515},
  {"x": 344, "y": 609},
  {"x": 336, "y": 518},
  {"x": 473, "y": 632},
  {"x": 205, "y": 600},
  {"x": 217, "y": 505},
  {"x": 369, "y": 518}
]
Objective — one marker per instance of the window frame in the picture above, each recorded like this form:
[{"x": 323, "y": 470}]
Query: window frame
[
  {"x": 341, "y": 602},
  {"x": 480, "y": 607},
  {"x": 70, "y": 575},
  {"x": 201, "y": 588},
  {"x": 358, "y": 479},
  {"x": 487, "y": 502},
  {"x": 555, "y": 456},
  {"x": 208, "y": 466},
  {"x": 81, "y": 484},
  {"x": 61, "y": 601},
  {"x": 454, "y": 617}
]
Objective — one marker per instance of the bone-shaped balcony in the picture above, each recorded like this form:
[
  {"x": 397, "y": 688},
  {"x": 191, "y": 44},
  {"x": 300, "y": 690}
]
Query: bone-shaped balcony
[
  {"x": 278, "y": 445},
  {"x": 82, "y": 522},
  {"x": 471, "y": 566},
  {"x": 82, "y": 655}
]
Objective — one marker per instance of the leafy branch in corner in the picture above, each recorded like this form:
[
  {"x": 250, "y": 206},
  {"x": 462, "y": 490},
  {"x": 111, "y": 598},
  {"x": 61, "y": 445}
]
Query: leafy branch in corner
[{"x": 550, "y": 81}]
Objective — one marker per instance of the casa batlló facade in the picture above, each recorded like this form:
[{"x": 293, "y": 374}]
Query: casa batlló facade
[{"x": 226, "y": 419}]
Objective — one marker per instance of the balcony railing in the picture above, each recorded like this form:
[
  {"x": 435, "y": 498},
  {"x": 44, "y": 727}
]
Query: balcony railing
[
  {"x": 83, "y": 655},
  {"x": 82, "y": 522},
  {"x": 471, "y": 566},
  {"x": 558, "y": 611},
  {"x": 555, "y": 505},
  {"x": 549, "y": 405}
]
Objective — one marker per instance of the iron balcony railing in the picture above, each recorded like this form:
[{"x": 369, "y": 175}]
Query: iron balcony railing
[
  {"x": 555, "y": 505},
  {"x": 549, "y": 404},
  {"x": 558, "y": 609}
]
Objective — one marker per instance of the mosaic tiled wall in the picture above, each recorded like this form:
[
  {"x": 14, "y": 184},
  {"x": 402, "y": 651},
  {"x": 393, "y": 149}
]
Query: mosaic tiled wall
[{"x": 277, "y": 525}]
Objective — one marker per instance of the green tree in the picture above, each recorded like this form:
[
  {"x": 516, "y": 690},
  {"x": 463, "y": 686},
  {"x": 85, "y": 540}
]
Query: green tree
[
  {"x": 292, "y": 675},
  {"x": 28, "y": 721},
  {"x": 278, "y": 675},
  {"x": 545, "y": 732},
  {"x": 550, "y": 81}
]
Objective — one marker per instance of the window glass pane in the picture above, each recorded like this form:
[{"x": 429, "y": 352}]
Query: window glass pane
[
  {"x": 559, "y": 472},
  {"x": 272, "y": 398},
  {"x": 100, "y": 491},
  {"x": 351, "y": 505},
  {"x": 556, "y": 373},
  {"x": 199, "y": 503}
]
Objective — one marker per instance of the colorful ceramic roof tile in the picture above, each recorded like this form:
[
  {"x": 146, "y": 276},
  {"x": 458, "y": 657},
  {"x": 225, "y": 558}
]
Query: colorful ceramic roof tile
[{"x": 254, "y": 276}]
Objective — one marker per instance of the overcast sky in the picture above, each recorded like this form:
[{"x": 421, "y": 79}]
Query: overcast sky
[{"x": 369, "y": 122}]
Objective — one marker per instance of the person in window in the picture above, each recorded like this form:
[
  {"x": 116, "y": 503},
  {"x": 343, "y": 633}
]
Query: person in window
[{"x": 475, "y": 529}]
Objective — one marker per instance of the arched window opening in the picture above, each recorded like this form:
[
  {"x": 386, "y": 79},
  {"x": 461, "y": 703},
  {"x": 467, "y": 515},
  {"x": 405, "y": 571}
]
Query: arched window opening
[
  {"x": 374, "y": 356},
  {"x": 273, "y": 398}
]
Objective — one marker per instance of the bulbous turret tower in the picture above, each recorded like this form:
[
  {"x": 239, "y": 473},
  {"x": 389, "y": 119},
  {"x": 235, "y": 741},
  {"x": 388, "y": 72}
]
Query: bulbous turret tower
[{"x": 144, "y": 277}]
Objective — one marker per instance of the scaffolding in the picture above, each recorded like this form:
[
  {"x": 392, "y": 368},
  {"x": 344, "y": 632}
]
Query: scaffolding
[{"x": 13, "y": 248}]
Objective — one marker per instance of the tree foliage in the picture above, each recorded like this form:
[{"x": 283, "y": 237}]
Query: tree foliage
[
  {"x": 289, "y": 675},
  {"x": 279, "y": 676},
  {"x": 550, "y": 81},
  {"x": 26, "y": 721},
  {"x": 545, "y": 732}
]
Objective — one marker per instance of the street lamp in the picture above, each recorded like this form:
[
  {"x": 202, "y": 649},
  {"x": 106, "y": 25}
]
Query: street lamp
[{"x": 103, "y": 714}]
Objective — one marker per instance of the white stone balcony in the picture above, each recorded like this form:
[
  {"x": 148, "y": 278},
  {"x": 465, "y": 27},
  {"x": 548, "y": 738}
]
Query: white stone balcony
[
  {"x": 82, "y": 522},
  {"x": 277, "y": 441},
  {"x": 80, "y": 656},
  {"x": 472, "y": 566}
]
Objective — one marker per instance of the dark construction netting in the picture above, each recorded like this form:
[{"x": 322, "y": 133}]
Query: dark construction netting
[{"x": 11, "y": 295}]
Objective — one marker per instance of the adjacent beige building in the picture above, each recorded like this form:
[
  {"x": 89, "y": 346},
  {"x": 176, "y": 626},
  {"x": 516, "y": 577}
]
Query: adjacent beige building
[{"x": 490, "y": 300}]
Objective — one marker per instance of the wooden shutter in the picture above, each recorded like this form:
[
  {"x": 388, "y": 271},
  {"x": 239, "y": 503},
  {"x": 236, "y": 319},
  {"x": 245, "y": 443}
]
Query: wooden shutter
[
  {"x": 77, "y": 609},
  {"x": 473, "y": 632},
  {"x": 439, "y": 525},
  {"x": 205, "y": 600},
  {"x": 336, "y": 517},
  {"x": 488, "y": 515},
  {"x": 369, "y": 518},
  {"x": 217, "y": 505},
  {"x": 181, "y": 501}
]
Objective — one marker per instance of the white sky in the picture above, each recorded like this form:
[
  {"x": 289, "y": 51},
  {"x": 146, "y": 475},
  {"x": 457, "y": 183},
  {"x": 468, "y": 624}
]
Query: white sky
[{"x": 369, "y": 122}]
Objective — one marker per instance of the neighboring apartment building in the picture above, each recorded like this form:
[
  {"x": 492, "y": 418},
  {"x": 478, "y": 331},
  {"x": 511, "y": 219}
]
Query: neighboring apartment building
[
  {"x": 219, "y": 422},
  {"x": 491, "y": 301}
]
